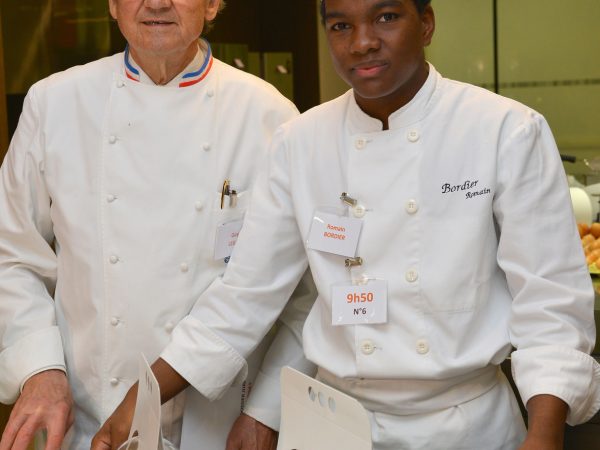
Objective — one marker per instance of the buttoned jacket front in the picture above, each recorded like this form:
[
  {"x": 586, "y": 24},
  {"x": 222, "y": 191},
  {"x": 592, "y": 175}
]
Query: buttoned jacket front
[
  {"x": 124, "y": 180},
  {"x": 459, "y": 201}
]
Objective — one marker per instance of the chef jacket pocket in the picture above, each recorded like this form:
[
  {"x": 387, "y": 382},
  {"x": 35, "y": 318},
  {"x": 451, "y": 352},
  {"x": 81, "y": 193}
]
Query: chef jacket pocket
[
  {"x": 228, "y": 214},
  {"x": 233, "y": 208}
]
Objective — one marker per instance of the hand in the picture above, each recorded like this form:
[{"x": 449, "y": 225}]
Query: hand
[
  {"x": 45, "y": 404},
  {"x": 115, "y": 430},
  {"x": 249, "y": 434}
]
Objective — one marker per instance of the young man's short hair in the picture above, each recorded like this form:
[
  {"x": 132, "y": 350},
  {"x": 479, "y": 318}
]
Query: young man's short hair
[{"x": 420, "y": 4}]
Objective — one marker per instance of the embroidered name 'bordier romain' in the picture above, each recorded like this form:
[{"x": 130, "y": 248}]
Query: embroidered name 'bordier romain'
[{"x": 466, "y": 186}]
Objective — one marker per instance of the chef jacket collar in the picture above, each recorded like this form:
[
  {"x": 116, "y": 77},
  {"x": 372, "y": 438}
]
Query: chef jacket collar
[
  {"x": 360, "y": 122},
  {"x": 195, "y": 72}
]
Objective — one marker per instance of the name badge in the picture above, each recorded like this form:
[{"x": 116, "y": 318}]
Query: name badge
[
  {"x": 335, "y": 234},
  {"x": 363, "y": 304},
  {"x": 227, "y": 236}
]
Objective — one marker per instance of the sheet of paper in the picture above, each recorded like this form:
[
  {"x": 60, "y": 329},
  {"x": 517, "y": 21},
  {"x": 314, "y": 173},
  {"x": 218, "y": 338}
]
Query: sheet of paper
[{"x": 146, "y": 433}]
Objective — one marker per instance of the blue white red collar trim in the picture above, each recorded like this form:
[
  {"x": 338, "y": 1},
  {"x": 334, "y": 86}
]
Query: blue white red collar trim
[{"x": 187, "y": 79}]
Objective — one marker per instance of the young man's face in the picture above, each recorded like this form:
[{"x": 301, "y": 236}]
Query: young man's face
[
  {"x": 377, "y": 47},
  {"x": 162, "y": 27}
]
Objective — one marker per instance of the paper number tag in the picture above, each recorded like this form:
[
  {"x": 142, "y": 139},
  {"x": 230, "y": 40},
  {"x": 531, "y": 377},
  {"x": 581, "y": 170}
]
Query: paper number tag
[
  {"x": 227, "y": 235},
  {"x": 364, "y": 304},
  {"x": 334, "y": 234}
]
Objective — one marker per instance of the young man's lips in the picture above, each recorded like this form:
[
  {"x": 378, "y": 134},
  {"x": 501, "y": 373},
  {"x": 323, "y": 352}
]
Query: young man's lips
[{"x": 369, "y": 69}]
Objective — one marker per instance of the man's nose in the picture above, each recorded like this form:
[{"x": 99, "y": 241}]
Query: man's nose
[
  {"x": 364, "y": 40},
  {"x": 157, "y": 4}
]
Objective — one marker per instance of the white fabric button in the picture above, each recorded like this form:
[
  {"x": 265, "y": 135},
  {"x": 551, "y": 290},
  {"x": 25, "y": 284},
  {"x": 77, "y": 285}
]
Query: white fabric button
[
  {"x": 114, "y": 321},
  {"x": 111, "y": 198},
  {"x": 422, "y": 346},
  {"x": 198, "y": 206},
  {"x": 413, "y": 136},
  {"x": 169, "y": 326},
  {"x": 184, "y": 267},
  {"x": 412, "y": 206},
  {"x": 359, "y": 211},
  {"x": 120, "y": 83},
  {"x": 206, "y": 146},
  {"x": 367, "y": 346},
  {"x": 113, "y": 259},
  {"x": 114, "y": 381},
  {"x": 360, "y": 143},
  {"x": 112, "y": 139},
  {"x": 211, "y": 93},
  {"x": 412, "y": 276}
]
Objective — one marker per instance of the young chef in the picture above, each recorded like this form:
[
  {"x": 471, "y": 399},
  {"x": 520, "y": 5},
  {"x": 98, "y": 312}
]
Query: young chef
[
  {"x": 112, "y": 225},
  {"x": 424, "y": 208}
]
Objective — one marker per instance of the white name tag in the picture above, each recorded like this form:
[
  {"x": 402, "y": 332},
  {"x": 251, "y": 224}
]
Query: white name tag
[
  {"x": 334, "y": 234},
  {"x": 364, "y": 304},
  {"x": 227, "y": 235}
]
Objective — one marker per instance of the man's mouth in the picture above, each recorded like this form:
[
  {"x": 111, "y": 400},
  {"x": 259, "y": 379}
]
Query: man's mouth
[
  {"x": 370, "y": 68},
  {"x": 157, "y": 22}
]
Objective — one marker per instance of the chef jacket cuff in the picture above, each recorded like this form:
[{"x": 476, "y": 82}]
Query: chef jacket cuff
[
  {"x": 29, "y": 356},
  {"x": 204, "y": 359},
  {"x": 568, "y": 374},
  {"x": 264, "y": 403}
]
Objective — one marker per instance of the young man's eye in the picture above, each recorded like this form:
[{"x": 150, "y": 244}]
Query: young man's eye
[
  {"x": 339, "y": 26},
  {"x": 387, "y": 17}
]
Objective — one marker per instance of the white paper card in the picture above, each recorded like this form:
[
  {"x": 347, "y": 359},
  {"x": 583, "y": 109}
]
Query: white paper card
[
  {"x": 146, "y": 419},
  {"x": 363, "y": 304},
  {"x": 227, "y": 236},
  {"x": 334, "y": 234}
]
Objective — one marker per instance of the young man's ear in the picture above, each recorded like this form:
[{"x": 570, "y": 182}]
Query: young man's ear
[{"x": 428, "y": 19}]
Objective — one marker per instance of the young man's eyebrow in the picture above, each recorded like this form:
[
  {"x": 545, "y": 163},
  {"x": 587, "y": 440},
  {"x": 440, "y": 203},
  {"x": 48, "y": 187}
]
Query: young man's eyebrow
[{"x": 379, "y": 5}]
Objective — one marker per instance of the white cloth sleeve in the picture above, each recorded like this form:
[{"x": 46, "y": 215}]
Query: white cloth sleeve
[
  {"x": 29, "y": 338},
  {"x": 264, "y": 403},
  {"x": 232, "y": 316},
  {"x": 552, "y": 322}
]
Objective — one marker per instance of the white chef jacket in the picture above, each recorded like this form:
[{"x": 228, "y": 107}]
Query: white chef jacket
[
  {"x": 466, "y": 214},
  {"x": 123, "y": 178}
]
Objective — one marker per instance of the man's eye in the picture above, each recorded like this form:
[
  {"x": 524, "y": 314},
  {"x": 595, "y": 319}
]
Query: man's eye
[
  {"x": 387, "y": 17},
  {"x": 339, "y": 26}
]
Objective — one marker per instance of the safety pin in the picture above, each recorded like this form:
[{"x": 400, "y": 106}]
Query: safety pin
[
  {"x": 353, "y": 262},
  {"x": 348, "y": 200}
]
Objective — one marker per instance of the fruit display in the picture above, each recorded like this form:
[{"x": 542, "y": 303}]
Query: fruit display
[{"x": 590, "y": 240}]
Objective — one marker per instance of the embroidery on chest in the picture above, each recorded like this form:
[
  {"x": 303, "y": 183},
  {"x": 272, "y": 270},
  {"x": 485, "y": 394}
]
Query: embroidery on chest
[{"x": 469, "y": 188}]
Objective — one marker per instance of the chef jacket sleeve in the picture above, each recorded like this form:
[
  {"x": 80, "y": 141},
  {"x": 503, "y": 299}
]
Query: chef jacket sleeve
[
  {"x": 209, "y": 346},
  {"x": 552, "y": 321},
  {"x": 264, "y": 403},
  {"x": 30, "y": 341}
]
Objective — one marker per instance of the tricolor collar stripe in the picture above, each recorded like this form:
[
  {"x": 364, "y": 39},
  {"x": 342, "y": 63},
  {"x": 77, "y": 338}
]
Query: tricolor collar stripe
[
  {"x": 187, "y": 79},
  {"x": 200, "y": 74},
  {"x": 190, "y": 83},
  {"x": 207, "y": 61},
  {"x": 131, "y": 72}
]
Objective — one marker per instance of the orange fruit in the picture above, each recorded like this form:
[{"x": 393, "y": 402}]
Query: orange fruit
[{"x": 595, "y": 229}]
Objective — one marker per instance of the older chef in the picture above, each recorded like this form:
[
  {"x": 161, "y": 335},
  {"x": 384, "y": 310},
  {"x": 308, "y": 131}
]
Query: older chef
[
  {"x": 424, "y": 207},
  {"x": 120, "y": 198}
]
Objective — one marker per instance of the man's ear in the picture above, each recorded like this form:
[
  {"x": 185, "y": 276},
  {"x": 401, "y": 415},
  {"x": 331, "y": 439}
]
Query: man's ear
[
  {"x": 112, "y": 6},
  {"x": 428, "y": 20},
  {"x": 212, "y": 8}
]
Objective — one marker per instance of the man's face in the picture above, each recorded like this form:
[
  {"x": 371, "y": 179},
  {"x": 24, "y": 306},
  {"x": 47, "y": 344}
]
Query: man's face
[
  {"x": 162, "y": 27},
  {"x": 377, "y": 46}
]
